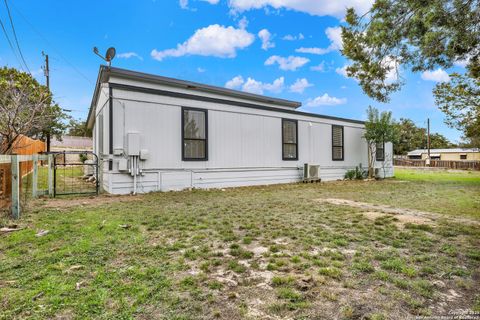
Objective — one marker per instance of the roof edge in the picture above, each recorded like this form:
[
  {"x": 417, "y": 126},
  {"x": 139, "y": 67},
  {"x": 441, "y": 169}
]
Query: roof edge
[{"x": 113, "y": 71}]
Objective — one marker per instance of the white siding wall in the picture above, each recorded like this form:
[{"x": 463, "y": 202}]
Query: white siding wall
[{"x": 244, "y": 145}]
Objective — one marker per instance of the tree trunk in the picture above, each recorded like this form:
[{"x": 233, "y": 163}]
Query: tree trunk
[{"x": 371, "y": 161}]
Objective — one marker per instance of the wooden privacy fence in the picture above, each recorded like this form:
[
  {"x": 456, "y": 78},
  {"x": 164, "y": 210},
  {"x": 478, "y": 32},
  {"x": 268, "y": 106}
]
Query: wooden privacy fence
[
  {"x": 460, "y": 165},
  {"x": 23, "y": 149},
  {"x": 27, "y": 146}
]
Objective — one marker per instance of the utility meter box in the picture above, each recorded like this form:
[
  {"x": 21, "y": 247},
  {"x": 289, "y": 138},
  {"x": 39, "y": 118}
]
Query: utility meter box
[
  {"x": 133, "y": 143},
  {"x": 144, "y": 154},
  {"x": 122, "y": 165}
]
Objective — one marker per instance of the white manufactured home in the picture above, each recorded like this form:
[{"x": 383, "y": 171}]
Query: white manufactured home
[{"x": 154, "y": 133}]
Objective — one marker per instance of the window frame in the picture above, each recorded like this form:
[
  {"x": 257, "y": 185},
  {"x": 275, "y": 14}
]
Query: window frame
[
  {"x": 343, "y": 143},
  {"x": 284, "y": 143},
  {"x": 383, "y": 152},
  {"x": 463, "y": 157},
  {"x": 205, "y": 111}
]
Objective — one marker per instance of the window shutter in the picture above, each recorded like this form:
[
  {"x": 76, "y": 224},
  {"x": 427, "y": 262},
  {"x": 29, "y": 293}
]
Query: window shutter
[{"x": 337, "y": 143}]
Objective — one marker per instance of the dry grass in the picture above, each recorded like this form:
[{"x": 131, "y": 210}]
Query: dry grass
[{"x": 247, "y": 253}]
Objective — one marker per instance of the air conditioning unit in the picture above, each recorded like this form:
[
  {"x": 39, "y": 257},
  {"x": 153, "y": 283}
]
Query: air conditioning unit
[{"x": 311, "y": 172}]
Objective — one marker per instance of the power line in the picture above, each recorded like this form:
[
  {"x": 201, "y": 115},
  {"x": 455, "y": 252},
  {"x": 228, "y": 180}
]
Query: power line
[
  {"x": 50, "y": 44},
  {"x": 10, "y": 43},
  {"x": 15, "y": 36}
]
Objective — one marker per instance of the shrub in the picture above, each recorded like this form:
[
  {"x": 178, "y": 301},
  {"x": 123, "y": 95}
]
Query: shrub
[
  {"x": 83, "y": 157},
  {"x": 356, "y": 174}
]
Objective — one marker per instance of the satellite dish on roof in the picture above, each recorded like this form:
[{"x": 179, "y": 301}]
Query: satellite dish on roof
[{"x": 109, "y": 55}]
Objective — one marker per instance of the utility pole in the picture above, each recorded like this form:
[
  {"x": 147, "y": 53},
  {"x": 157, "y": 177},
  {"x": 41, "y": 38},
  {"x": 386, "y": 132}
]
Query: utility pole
[
  {"x": 46, "y": 72},
  {"x": 428, "y": 139}
]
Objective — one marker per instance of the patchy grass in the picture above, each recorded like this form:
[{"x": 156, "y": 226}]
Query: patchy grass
[{"x": 246, "y": 253}]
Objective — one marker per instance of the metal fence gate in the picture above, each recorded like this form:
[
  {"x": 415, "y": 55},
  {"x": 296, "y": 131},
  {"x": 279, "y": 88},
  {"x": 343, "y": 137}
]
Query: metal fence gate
[{"x": 75, "y": 172}]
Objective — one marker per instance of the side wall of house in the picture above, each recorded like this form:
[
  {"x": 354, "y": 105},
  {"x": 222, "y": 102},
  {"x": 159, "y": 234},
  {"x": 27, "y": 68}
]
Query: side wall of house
[
  {"x": 101, "y": 138},
  {"x": 244, "y": 145}
]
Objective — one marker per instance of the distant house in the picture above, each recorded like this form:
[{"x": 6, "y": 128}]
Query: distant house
[
  {"x": 72, "y": 143},
  {"x": 454, "y": 154},
  {"x": 156, "y": 133}
]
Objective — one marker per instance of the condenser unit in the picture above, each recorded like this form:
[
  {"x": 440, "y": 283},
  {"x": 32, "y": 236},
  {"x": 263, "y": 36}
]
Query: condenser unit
[{"x": 311, "y": 172}]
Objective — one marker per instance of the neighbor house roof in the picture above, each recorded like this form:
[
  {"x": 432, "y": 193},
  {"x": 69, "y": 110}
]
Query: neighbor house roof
[
  {"x": 419, "y": 152},
  {"x": 288, "y": 106}
]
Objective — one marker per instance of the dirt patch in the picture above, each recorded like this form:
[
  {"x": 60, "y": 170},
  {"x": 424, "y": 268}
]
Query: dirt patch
[
  {"x": 86, "y": 201},
  {"x": 400, "y": 219},
  {"x": 403, "y": 214},
  {"x": 257, "y": 250}
]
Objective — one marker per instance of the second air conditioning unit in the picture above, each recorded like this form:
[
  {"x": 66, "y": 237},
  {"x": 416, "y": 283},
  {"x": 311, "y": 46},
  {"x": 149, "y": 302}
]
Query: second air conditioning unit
[{"x": 311, "y": 172}]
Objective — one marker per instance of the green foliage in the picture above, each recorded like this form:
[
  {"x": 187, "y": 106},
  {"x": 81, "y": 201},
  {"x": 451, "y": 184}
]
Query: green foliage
[
  {"x": 83, "y": 157},
  {"x": 356, "y": 174},
  {"x": 26, "y": 108},
  {"x": 459, "y": 99},
  {"x": 420, "y": 35},
  {"x": 379, "y": 128},
  {"x": 78, "y": 128},
  {"x": 411, "y": 137}
]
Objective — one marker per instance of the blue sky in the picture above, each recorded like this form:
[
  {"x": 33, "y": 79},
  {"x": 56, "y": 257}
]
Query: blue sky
[{"x": 281, "y": 48}]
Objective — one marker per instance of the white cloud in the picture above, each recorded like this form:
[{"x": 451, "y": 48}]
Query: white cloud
[
  {"x": 290, "y": 63},
  {"x": 183, "y": 4},
  {"x": 290, "y": 37},
  {"x": 266, "y": 38},
  {"x": 235, "y": 83},
  {"x": 325, "y": 100},
  {"x": 214, "y": 40},
  {"x": 335, "y": 37},
  {"x": 335, "y": 8},
  {"x": 243, "y": 23},
  {"x": 342, "y": 71},
  {"x": 461, "y": 63},
  {"x": 253, "y": 86},
  {"x": 128, "y": 55},
  {"x": 438, "y": 75},
  {"x": 319, "y": 68},
  {"x": 313, "y": 50},
  {"x": 201, "y": 70},
  {"x": 300, "y": 85}
]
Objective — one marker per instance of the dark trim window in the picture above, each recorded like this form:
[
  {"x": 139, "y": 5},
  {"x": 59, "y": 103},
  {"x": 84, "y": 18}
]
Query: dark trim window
[
  {"x": 337, "y": 143},
  {"x": 194, "y": 134},
  {"x": 463, "y": 157},
  {"x": 380, "y": 151},
  {"x": 289, "y": 139}
]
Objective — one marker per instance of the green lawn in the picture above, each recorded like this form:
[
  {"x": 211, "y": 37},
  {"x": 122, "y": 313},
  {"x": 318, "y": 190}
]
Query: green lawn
[{"x": 249, "y": 253}]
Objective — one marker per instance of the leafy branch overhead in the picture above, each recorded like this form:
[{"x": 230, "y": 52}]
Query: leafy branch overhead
[
  {"x": 26, "y": 108},
  {"x": 419, "y": 35},
  {"x": 459, "y": 99}
]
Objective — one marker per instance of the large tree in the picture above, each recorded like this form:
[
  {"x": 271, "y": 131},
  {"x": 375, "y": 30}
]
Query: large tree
[
  {"x": 420, "y": 35},
  {"x": 411, "y": 137},
  {"x": 26, "y": 108},
  {"x": 459, "y": 99}
]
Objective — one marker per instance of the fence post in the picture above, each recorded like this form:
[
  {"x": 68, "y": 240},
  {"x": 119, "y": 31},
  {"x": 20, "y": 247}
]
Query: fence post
[
  {"x": 50, "y": 175},
  {"x": 35, "y": 176},
  {"x": 15, "y": 187}
]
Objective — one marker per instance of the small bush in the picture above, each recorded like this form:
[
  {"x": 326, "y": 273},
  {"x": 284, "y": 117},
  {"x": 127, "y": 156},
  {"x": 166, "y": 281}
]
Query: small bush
[
  {"x": 356, "y": 174},
  {"x": 83, "y": 157}
]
